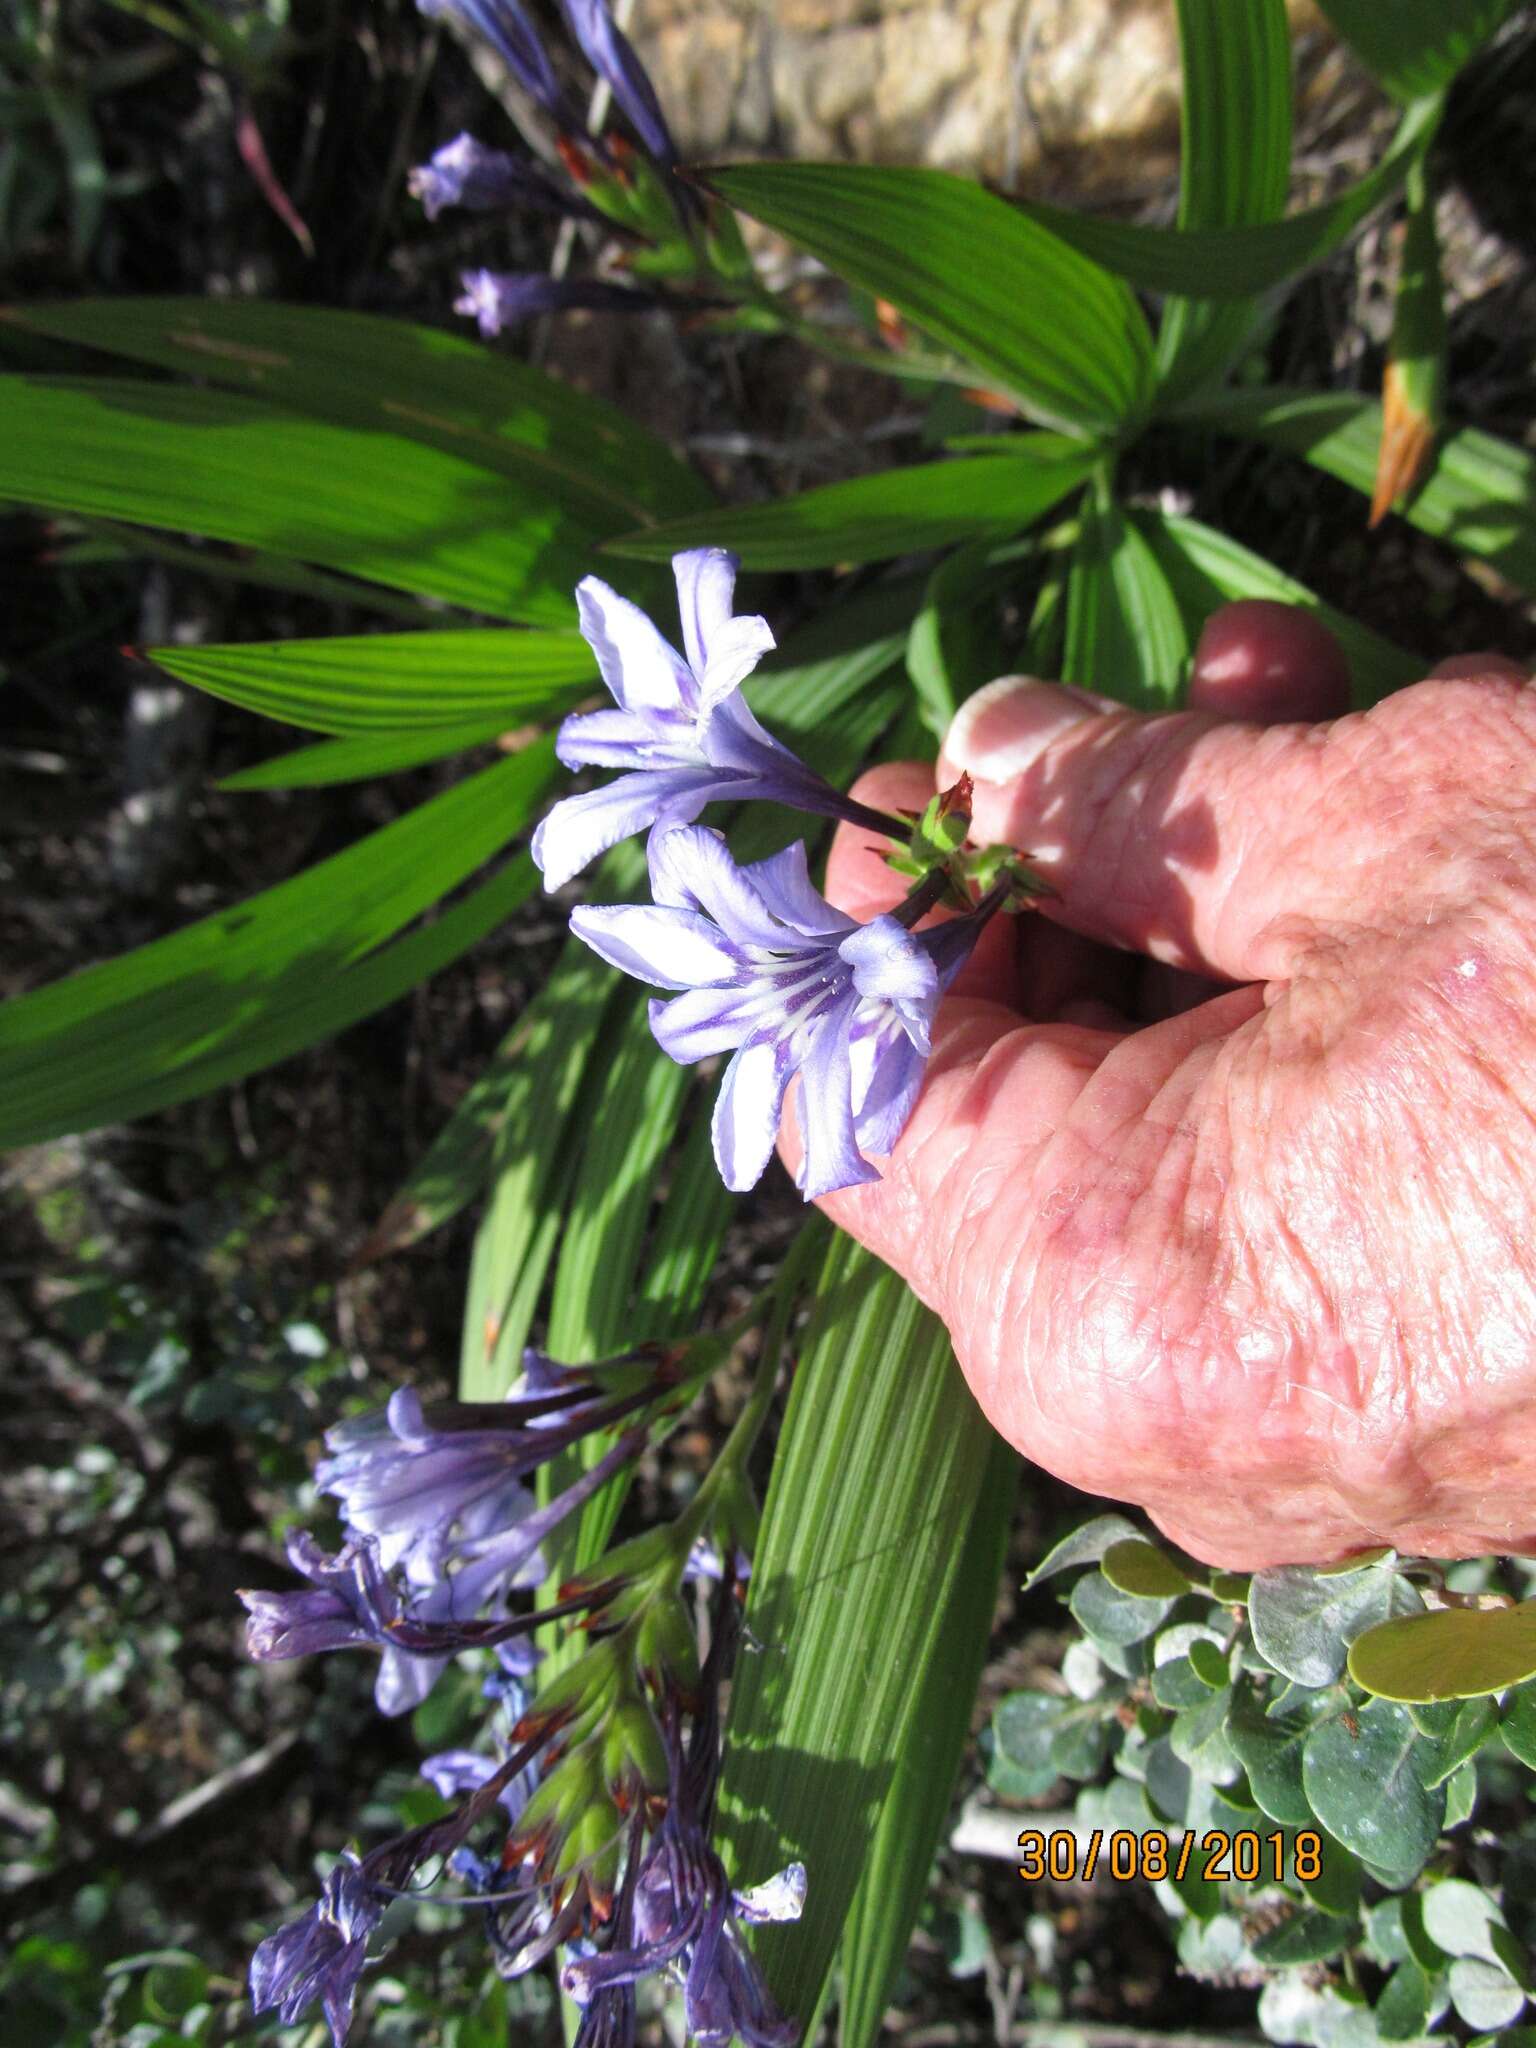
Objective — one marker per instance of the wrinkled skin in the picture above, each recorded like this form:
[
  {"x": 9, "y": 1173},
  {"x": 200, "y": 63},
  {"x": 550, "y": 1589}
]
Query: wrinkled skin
[{"x": 1256, "y": 1251}]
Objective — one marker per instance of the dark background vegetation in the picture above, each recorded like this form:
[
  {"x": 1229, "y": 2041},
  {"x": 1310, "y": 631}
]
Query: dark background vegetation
[{"x": 178, "y": 1316}]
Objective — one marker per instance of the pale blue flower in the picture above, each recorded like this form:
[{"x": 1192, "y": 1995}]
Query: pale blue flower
[
  {"x": 612, "y": 56},
  {"x": 466, "y": 173},
  {"x": 499, "y": 299},
  {"x": 679, "y": 725},
  {"x": 773, "y": 974}
]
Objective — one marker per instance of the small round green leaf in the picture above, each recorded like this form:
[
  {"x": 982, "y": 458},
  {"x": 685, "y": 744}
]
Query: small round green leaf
[
  {"x": 1199, "y": 1738},
  {"x": 1336, "y": 1888},
  {"x": 1269, "y": 1749},
  {"x": 1461, "y": 1794},
  {"x": 1109, "y": 1615},
  {"x": 1518, "y": 1727},
  {"x": 1484, "y": 1994},
  {"x": 1459, "y": 1917},
  {"x": 1455, "y": 1653},
  {"x": 1081, "y": 1546},
  {"x": 1403, "y": 2009},
  {"x": 1080, "y": 1740},
  {"x": 1022, "y": 1727},
  {"x": 1303, "y": 1622},
  {"x": 1360, "y": 1774},
  {"x": 1471, "y": 1724},
  {"x": 1141, "y": 1568},
  {"x": 1307, "y": 1937},
  {"x": 1176, "y": 1684},
  {"x": 1386, "y": 1938},
  {"x": 1357, "y": 1563},
  {"x": 1210, "y": 1662},
  {"x": 1214, "y": 1949}
]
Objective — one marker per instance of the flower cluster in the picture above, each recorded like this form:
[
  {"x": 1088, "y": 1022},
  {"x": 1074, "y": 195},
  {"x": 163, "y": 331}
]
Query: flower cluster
[
  {"x": 623, "y": 178},
  {"x": 594, "y": 1795},
  {"x": 769, "y": 970},
  {"x": 442, "y": 1528}
]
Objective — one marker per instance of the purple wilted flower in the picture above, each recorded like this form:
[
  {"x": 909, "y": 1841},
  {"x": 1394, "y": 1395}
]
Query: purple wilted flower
[
  {"x": 357, "y": 1605},
  {"x": 444, "y": 1483},
  {"x": 465, "y": 173},
  {"x": 506, "y": 27},
  {"x": 321, "y": 1954},
  {"x": 612, "y": 56},
  {"x": 772, "y": 972},
  {"x": 496, "y": 299},
  {"x": 354, "y": 1605},
  {"x": 680, "y": 725}
]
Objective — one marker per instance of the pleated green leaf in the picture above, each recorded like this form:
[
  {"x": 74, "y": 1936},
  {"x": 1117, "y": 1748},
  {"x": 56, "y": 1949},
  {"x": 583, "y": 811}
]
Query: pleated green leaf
[
  {"x": 1416, "y": 47},
  {"x": 893, "y": 512},
  {"x": 1236, "y": 163},
  {"x": 1206, "y": 568},
  {"x": 377, "y": 505},
  {"x": 635, "y": 1114},
  {"x": 1480, "y": 495},
  {"x": 911, "y": 1825},
  {"x": 442, "y": 390},
  {"x": 249, "y": 985},
  {"x": 529, "y": 1084},
  {"x": 864, "y": 1541},
  {"x": 1038, "y": 320},
  {"x": 362, "y": 755},
  {"x": 533, "y": 1155},
  {"x": 955, "y": 643},
  {"x": 1236, "y": 262},
  {"x": 1125, "y": 633},
  {"x": 109, "y": 541},
  {"x": 391, "y": 683}
]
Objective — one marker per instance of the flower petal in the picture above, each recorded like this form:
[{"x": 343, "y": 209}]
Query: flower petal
[
  {"x": 832, "y": 1158},
  {"x": 733, "y": 654},
  {"x": 706, "y": 583},
  {"x": 612, "y": 56},
  {"x": 641, "y": 670},
  {"x": 628, "y": 739},
  {"x": 778, "y": 1898},
  {"x": 705, "y": 1021},
  {"x": 887, "y": 1091},
  {"x": 579, "y": 828},
  {"x": 784, "y": 883},
  {"x": 404, "y": 1681},
  {"x": 692, "y": 868},
  {"x": 747, "y": 1111},
  {"x": 889, "y": 964},
  {"x": 668, "y": 948}
]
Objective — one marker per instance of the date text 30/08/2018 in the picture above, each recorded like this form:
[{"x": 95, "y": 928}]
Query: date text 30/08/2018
[{"x": 1247, "y": 1855}]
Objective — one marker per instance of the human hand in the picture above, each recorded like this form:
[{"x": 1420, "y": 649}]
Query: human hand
[{"x": 1263, "y": 1265}]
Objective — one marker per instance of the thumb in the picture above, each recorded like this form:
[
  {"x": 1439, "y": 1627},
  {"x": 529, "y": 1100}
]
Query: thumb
[{"x": 1206, "y": 843}]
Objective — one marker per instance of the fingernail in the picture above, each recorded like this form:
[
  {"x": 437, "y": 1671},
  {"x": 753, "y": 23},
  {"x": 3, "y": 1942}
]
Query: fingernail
[{"x": 1003, "y": 730}]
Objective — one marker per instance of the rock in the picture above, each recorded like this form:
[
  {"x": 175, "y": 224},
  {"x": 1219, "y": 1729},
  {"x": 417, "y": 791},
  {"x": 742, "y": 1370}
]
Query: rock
[{"x": 1078, "y": 92}]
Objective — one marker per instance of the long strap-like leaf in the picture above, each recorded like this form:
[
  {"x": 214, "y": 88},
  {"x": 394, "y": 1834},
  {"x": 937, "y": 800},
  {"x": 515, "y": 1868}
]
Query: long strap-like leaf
[{"x": 882, "y": 1469}]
